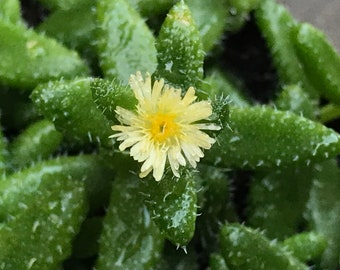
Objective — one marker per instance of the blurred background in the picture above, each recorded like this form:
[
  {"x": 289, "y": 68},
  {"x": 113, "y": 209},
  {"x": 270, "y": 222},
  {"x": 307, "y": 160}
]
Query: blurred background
[{"x": 322, "y": 14}]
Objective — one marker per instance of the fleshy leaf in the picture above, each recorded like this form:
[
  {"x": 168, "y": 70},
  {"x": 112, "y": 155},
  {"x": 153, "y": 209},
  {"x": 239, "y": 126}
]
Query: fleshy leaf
[
  {"x": 320, "y": 60},
  {"x": 260, "y": 136},
  {"x": 324, "y": 209},
  {"x": 109, "y": 94},
  {"x": 277, "y": 27},
  {"x": 10, "y": 11},
  {"x": 172, "y": 204},
  {"x": 37, "y": 142},
  {"x": 180, "y": 54},
  {"x": 294, "y": 99},
  {"x": 28, "y": 58},
  {"x": 130, "y": 239},
  {"x": 69, "y": 105},
  {"x": 210, "y": 19},
  {"x": 306, "y": 246},
  {"x": 77, "y": 32},
  {"x": 125, "y": 43},
  {"x": 278, "y": 200},
  {"x": 216, "y": 84},
  {"x": 246, "y": 248},
  {"x": 41, "y": 209}
]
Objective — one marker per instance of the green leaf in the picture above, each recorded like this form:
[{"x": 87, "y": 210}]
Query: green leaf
[
  {"x": 246, "y": 248},
  {"x": 10, "y": 11},
  {"x": 264, "y": 137},
  {"x": 109, "y": 94},
  {"x": 217, "y": 84},
  {"x": 41, "y": 210},
  {"x": 320, "y": 60},
  {"x": 210, "y": 19},
  {"x": 172, "y": 204},
  {"x": 38, "y": 142},
  {"x": 277, "y": 27},
  {"x": 78, "y": 31},
  {"x": 130, "y": 239},
  {"x": 125, "y": 43},
  {"x": 217, "y": 262},
  {"x": 294, "y": 99},
  {"x": 180, "y": 55},
  {"x": 278, "y": 200},
  {"x": 28, "y": 58},
  {"x": 306, "y": 246},
  {"x": 239, "y": 13},
  {"x": 63, "y": 4},
  {"x": 324, "y": 209},
  {"x": 214, "y": 205},
  {"x": 69, "y": 105}
]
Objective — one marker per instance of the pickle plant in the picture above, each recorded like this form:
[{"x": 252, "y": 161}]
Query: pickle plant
[{"x": 125, "y": 144}]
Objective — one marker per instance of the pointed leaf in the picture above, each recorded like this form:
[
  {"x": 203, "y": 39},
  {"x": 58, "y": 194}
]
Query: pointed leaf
[
  {"x": 264, "y": 137},
  {"x": 69, "y": 105},
  {"x": 180, "y": 55},
  {"x": 172, "y": 203}
]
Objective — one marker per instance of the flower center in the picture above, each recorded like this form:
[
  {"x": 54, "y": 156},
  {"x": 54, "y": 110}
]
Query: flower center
[{"x": 163, "y": 126}]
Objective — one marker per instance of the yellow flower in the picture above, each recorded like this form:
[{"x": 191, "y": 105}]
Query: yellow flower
[{"x": 163, "y": 127}]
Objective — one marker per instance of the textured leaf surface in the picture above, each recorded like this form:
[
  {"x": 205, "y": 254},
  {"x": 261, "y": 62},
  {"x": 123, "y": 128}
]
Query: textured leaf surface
[
  {"x": 320, "y": 60},
  {"x": 277, "y": 27},
  {"x": 109, "y": 94},
  {"x": 78, "y": 31},
  {"x": 69, "y": 105},
  {"x": 41, "y": 209},
  {"x": 125, "y": 43},
  {"x": 278, "y": 200},
  {"x": 306, "y": 246},
  {"x": 130, "y": 239},
  {"x": 28, "y": 58},
  {"x": 172, "y": 204},
  {"x": 324, "y": 208},
  {"x": 294, "y": 99},
  {"x": 180, "y": 55},
  {"x": 37, "y": 142},
  {"x": 210, "y": 18},
  {"x": 248, "y": 249},
  {"x": 262, "y": 136}
]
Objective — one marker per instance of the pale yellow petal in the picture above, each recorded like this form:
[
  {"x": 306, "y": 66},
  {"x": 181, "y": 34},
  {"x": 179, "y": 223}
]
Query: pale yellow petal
[{"x": 189, "y": 96}]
